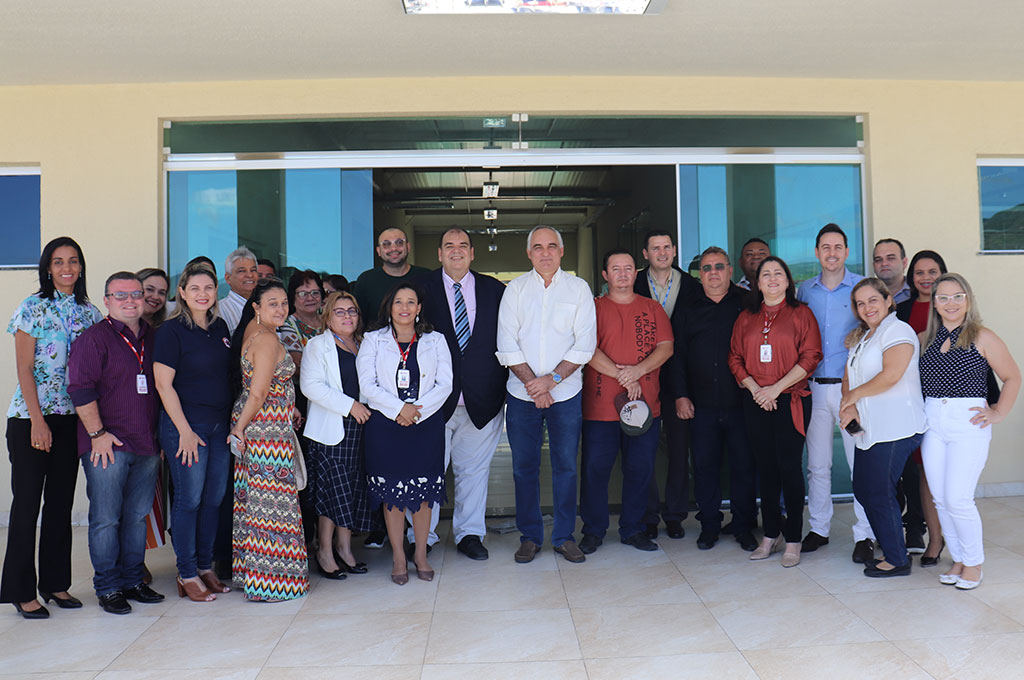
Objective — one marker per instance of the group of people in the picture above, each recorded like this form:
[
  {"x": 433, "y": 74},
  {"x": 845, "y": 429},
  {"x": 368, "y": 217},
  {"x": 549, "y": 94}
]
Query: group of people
[{"x": 292, "y": 416}]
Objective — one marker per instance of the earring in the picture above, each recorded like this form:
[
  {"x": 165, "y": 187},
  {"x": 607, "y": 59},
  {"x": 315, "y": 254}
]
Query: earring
[
  {"x": 417, "y": 318},
  {"x": 258, "y": 319},
  {"x": 49, "y": 275}
]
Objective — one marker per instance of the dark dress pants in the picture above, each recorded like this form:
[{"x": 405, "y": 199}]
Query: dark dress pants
[
  {"x": 711, "y": 431},
  {"x": 908, "y": 492},
  {"x": 876, "y": 472},
  {"x": 677, "y": 479},
  {"x": 779, "y": 454},
  {"x": 46, "y": 477}
]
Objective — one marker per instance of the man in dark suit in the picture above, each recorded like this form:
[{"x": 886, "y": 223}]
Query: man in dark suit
[
  {"x": 673, "y": 288},
  {"x": 463, "y": 305}
]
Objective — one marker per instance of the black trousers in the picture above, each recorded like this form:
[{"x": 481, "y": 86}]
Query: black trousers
[
  {"x": 714, "y": 431},
  {"x": 677, "y": 480},
  {"x": 778, "y": 449},
  {"x": 38, "y": 477}
]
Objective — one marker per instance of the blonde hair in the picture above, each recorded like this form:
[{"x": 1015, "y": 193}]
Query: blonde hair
[
  {"x": 181, "y": 309},
  {"x": 971, "y": 325},
  {"x": 329, "y": 303},
  {"x": 862, "y": 327}
]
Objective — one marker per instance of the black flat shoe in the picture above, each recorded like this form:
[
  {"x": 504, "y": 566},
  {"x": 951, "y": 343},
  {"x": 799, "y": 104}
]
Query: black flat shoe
[
  {"x": 69, "y": 602},
  {"x": 873, "y": 571},
  {"x": 674, "y": 529},
  {"x": 336, "y": 575},
  {"x": 143, "y": 593},
  {"x": 358, "y": 568},
  {"x": 41, "y": 613}
]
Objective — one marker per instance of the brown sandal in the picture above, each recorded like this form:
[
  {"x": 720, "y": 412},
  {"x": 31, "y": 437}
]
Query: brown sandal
[
  {"x": 213, "y": 583},
  {"x": 194, "y": 592}
]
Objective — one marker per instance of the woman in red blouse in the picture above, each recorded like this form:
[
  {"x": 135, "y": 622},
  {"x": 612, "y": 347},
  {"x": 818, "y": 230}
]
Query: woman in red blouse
[{"x": 775, "y": 346}]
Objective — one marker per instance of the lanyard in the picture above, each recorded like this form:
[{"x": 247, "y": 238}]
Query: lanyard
[
  {"x": 142, "y": 345},
  {"x": 768, "y": 324},
  {"x": 403, "y": 354},
  {"x": 342, "y": 341},
  {"x": 654, "y": 292}
]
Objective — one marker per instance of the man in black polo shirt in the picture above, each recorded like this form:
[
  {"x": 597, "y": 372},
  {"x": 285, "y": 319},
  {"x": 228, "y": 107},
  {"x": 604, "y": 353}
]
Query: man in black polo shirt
[
  {"x": 710, "y": 399},
  {"x": 110, "y": 374}
]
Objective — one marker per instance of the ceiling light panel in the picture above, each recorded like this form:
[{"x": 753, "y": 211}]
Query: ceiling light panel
[{"x": 526, "y": 6}]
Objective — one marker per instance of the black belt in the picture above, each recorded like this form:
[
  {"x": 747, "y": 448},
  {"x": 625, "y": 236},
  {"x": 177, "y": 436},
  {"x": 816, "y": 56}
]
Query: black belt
[{"x": 827, "y": 381}]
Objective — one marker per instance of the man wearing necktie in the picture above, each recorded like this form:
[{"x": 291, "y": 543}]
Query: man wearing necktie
[{"x": 463, "y": 305}]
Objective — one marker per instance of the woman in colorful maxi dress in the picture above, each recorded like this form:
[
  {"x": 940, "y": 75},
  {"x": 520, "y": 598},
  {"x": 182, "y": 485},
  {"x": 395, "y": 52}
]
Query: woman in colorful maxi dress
[{"x": 268, "y": 551}]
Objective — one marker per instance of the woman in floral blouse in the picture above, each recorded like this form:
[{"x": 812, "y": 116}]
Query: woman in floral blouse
[{"x": 41, "y": 432}]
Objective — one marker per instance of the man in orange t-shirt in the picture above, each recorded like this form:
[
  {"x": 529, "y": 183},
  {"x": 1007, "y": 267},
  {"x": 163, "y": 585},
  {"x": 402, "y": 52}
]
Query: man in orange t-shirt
[{"x": 634, "y": 338}]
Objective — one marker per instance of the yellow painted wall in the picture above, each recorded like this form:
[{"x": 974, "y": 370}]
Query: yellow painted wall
[{"x": 99, "y": 148}]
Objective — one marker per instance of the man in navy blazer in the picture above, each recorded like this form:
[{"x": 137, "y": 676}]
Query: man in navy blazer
[{"x": 463, "y": 305}]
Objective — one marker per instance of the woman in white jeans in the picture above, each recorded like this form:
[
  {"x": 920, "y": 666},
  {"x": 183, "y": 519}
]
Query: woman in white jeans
[{"x": 954, "y": 367}]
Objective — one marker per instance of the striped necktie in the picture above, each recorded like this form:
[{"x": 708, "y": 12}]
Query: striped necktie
[{"x": 461, "y": 319}]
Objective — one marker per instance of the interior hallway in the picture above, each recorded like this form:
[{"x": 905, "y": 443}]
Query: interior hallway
[{"x": 675, "y": 613}]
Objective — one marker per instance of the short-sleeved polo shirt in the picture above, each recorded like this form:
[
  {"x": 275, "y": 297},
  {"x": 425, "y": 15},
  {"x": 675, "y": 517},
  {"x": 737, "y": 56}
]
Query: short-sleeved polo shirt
[{"x": 201, "y": 359}]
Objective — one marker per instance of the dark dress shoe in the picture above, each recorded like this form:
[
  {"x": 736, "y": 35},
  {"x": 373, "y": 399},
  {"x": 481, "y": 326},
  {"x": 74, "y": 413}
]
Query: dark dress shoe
[
  {"x": 114, "y": 603},
  {"x": 746, "y": 541},
  {"x": 873, "y": 571},
  {"x": 590, "y": 543},
  {"x": 357, "y": 568},
  {"x": 571, "y": 552},
  {"x": 410, "y": 550},
  {"x": 527, "y": 551},
  {"x": 932, "y": 561},
  {"x": 143, "y": 593},
  {"x": 812, "y": 542},
  {"x": 707, "y": 539},
  {"x": 69, "y": 602},
  {"x": 375, "y": 539},
  {"x": 40, "y": 612},
  {"x": 640, "y": 542},
  {"x": 473, "y": 548},
  {"x": 674, "y": 529},
  {"x": 651, "y": 530},
  {"x": 863, "y": 551}
]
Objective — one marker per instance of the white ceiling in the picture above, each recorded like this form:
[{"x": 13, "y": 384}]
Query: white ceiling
[{"x": 107, "y": 41}]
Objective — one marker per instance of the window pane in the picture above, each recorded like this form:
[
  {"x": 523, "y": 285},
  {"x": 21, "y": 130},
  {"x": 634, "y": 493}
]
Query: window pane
[
  {"x": 1002, "y": 207},
  {"x": 19, "y": 220},
  {"x": 299, "y": 219}
]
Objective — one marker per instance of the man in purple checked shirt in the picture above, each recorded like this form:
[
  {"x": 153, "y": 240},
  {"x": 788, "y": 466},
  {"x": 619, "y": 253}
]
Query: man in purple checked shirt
[{"x": 111, "y": 384}]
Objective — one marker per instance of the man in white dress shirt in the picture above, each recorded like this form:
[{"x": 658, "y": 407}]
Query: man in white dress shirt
[
  {"x": 240, "y": 272},
  {"x": 547, "y": 329}
]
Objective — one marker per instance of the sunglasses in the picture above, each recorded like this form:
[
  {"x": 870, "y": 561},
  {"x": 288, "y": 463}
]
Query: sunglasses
[
  {"x": 121, "y": 296},
  {"x": 718, "y": 266}
]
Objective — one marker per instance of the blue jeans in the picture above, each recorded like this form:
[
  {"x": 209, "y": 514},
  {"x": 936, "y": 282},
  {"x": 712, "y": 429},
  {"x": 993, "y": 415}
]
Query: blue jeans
[
  {"x": 524, "y": 423},
  {"x": 120, "y": 497},
  {"x": 876, "y": 473},
  {"x": 712, "y": 430},
  {"x": 602, "y": 441},
  {"x": 198, "y": 491}
]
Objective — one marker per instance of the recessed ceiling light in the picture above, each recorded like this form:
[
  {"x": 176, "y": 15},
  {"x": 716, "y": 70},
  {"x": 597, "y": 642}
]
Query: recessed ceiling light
[{"x": 527, "y": 6}]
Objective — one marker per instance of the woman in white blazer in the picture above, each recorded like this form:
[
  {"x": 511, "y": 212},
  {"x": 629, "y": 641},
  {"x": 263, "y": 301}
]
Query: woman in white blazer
[
  {"x": 405, "y": 374},
  {"x": 334, "y": 428}
]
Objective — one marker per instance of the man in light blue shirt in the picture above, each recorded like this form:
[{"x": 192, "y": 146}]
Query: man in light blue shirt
[{"x": 828, "y": 295}]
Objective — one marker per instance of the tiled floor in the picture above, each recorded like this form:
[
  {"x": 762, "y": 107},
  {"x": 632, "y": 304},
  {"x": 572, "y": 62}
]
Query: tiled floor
[{"x": 675, "y": 613}]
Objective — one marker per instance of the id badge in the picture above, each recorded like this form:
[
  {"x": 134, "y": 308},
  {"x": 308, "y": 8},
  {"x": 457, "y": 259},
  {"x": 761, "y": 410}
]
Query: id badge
[
  {"x": 141, "y": 386},
  {"x": 766, "y": 353},
  {"x": 403, "y": 378}
]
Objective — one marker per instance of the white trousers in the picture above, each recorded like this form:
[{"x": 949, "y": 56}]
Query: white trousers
[
  {"x": 954, "y": 453},
  {"x": 824, "y": 419},
  {"x": 469, "y": 451}
]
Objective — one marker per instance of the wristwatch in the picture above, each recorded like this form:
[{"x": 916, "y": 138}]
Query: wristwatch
[
  {"x": 557, "y": 378},
  {"x": 98, "y": 433}
]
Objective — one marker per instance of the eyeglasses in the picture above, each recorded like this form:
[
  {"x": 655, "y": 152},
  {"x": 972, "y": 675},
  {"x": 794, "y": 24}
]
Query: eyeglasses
[
  {"x": 351, "y": 311},
  {"x": 121, "y": 296},
  {"x": 302, "y": 294},
  {"x": 718, "y": 266},
  {"x": 400, "y": 242},
  {"x": 943, "y": 299}
]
